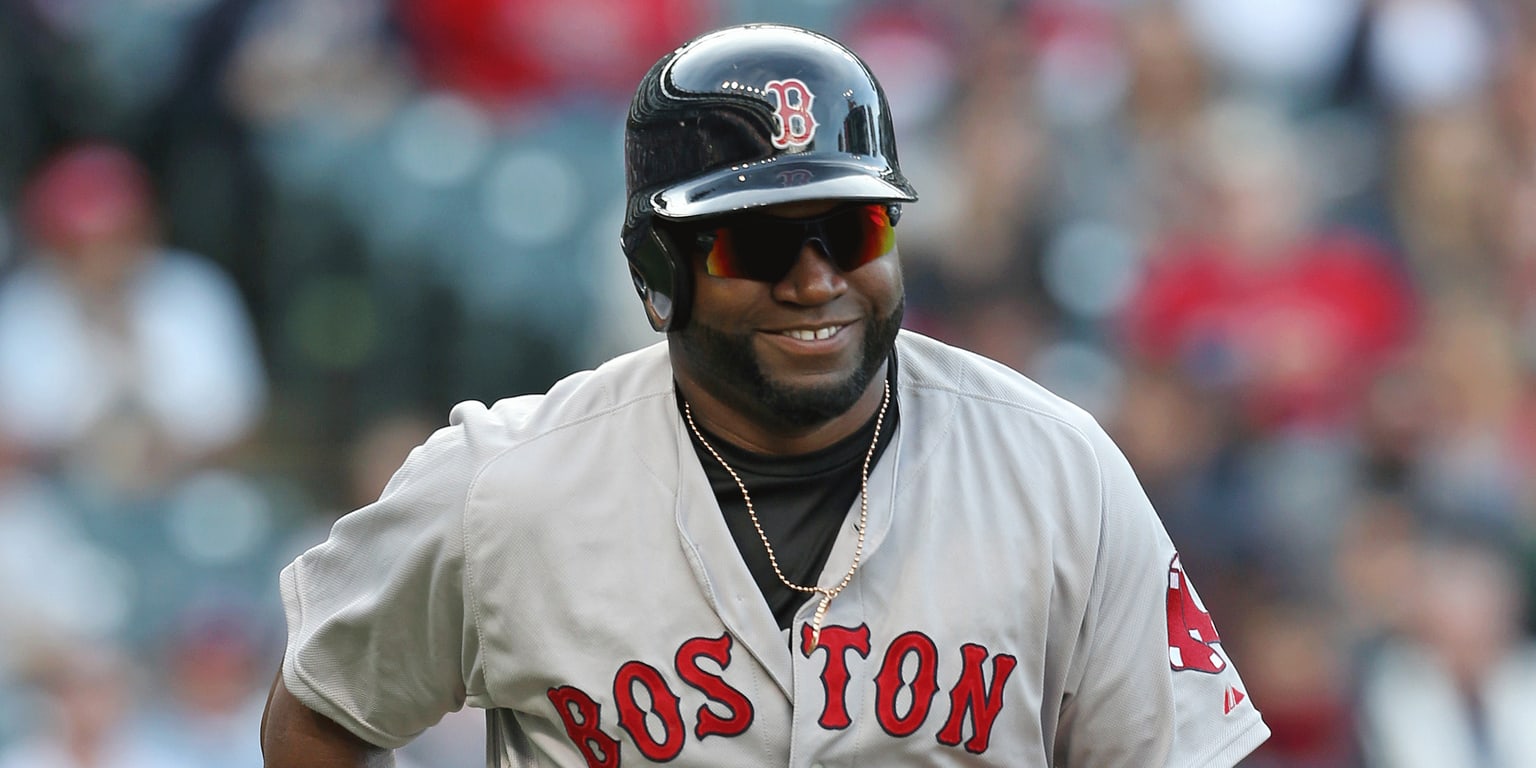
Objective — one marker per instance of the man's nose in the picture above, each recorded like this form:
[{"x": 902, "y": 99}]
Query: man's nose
[{"x": 813, "y": 279}]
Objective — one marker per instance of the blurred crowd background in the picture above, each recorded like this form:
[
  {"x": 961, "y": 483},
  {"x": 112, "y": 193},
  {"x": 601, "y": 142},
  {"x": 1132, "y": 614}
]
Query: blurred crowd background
[{"x": 252, "y": 251}]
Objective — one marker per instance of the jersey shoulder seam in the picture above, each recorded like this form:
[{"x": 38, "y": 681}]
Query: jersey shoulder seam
[{"x": 1012, "y": 405}]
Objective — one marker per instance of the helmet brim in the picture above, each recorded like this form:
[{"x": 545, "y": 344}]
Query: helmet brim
[{"x": 782, "y": 179}]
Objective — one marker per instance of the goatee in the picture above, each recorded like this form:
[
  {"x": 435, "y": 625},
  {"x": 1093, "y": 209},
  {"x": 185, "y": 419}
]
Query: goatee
[{"x": 729, "y": 363}]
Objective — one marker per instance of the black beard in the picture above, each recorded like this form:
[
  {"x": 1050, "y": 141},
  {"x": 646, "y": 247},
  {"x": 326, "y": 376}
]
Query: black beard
[{"x": 727, "y": 365}]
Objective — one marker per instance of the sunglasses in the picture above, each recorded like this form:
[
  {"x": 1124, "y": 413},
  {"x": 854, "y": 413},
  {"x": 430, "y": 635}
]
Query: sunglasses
[{"x": 757, "y": 246}]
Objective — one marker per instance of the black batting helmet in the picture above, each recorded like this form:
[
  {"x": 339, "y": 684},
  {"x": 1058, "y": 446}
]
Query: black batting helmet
[{"x": 743, "y": 117}]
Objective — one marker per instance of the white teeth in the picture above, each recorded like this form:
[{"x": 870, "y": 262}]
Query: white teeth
[{"x": 807, "y": 335}]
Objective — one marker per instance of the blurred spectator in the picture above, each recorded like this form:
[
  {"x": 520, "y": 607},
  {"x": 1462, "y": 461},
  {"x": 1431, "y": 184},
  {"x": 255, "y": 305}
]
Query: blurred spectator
[
  {"x": 300, "y": 60},
  {"x": 123, "y": 359},
  {"x": 1171, "y": 81},
  {"x": 1374, "y": 569},
  {"x": 87, "y": 694},
  {"x": 1512, "y": 199},
  {"x": 1260, "y": 301},
  {"x": 1296, "y": 668},
  {"x": 1459, "y": 688},
  {"x": 1394, "y": 424},
  {"x": 998, "y": 180},
  {"x": 54, "y": 580},
  {"x": 1171, "y": 84},
  {"x": 1476, "y": 464},
  {"x": 1443, "y": 199},
  {"x": 215, "y": 673}
]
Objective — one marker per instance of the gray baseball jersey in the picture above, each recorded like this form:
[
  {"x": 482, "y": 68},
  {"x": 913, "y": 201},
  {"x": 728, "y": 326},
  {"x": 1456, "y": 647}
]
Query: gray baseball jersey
[{"x": 562, "y": 558}]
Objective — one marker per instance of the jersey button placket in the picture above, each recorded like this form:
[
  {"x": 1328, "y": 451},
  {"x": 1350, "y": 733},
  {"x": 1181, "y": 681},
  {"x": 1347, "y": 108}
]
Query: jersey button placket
[{"x": 825, "y": 687}]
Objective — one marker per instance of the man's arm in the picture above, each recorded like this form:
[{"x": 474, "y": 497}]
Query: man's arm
[{"x": 295, "y": 736}]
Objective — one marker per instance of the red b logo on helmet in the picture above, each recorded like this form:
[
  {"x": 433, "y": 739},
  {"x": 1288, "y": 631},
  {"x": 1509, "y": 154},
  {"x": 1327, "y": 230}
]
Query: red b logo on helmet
[
  {"x": 793, "y": 123},
  {"x": 1191, "y": 633}
]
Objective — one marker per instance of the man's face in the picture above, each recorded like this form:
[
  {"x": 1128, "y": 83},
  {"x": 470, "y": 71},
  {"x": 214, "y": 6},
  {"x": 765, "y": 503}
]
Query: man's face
[{"x": 797, "y": 351}]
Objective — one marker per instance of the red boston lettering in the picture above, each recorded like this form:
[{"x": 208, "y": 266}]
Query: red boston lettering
[
  {"x": 972, "y": 695},
  {"x": 889, "y": 682},
  {"x": 906, "y": 687},
  {"x": 834, "y": 676},
  {"x": 664, "y": 704},
  {"x": 738, "y": 707},
  {"x": 580, "y": 714}
]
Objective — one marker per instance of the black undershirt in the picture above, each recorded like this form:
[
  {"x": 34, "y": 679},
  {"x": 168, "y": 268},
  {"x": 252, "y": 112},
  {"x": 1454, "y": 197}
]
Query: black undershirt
[{"x": 801, "y": 501}]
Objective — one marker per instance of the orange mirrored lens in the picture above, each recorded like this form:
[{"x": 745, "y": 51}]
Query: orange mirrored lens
[{"x": 765, "y": 248}]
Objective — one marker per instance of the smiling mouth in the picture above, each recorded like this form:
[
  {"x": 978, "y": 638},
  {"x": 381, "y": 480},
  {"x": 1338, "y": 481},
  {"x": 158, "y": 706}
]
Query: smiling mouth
[{"x": 813, "y": 334}]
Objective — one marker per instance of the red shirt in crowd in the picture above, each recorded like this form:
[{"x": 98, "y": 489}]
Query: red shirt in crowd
[{"x": 1296, "y": 336}]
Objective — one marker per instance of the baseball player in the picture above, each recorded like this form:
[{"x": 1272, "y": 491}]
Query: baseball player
[{"x": 790, "y": 535}]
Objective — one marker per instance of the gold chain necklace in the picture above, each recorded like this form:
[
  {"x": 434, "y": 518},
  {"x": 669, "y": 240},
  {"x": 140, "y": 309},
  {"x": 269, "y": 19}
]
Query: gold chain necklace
[{"x": 827, "y": 593}]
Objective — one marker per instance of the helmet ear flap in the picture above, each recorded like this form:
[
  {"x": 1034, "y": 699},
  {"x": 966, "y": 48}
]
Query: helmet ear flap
[
  {"x": 663, "y": 278},
  {"x": 658, "y": 308}
]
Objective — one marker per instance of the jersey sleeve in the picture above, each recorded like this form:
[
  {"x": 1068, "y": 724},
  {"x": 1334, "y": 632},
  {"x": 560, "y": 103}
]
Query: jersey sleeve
[
  {"x": 1150, "y": 684},
  {"x": 379, "y": 638}
]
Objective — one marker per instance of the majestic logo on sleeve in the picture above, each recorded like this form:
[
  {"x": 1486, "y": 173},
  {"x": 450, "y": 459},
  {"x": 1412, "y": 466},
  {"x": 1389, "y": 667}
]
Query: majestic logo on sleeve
[
  {"x": 793, "y": 123},
  {"x": 1232, "y": 699},
  {"x": 1192, "y": 635}
]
